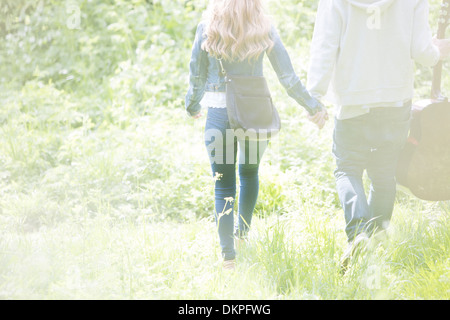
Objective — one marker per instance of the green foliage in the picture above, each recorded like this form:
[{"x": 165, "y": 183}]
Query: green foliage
[{"x": 105, "y": 186}]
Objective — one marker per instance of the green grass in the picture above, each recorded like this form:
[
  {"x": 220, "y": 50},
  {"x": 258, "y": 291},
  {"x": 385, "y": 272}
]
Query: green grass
[
  {"x": 293, "y": 256},
  {"x": 105, "y": 185}
]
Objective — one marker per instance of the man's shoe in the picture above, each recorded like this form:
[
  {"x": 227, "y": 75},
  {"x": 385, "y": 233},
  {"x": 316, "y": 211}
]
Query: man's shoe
[
  {"x": 354, "y": 248},
  {"x": 229, "y": 265}
]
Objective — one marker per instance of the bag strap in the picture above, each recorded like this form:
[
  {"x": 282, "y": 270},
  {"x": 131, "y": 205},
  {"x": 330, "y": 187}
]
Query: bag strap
[{"x": 223, "y": 71}]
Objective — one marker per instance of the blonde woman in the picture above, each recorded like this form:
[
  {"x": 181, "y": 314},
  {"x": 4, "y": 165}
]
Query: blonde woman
[{"x": 240, "y": 33}]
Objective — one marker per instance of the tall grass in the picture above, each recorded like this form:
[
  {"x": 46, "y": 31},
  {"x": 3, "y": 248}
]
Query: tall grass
[
  {"x": 294, "y": 256},
  {"x": 105, "y": 185}
]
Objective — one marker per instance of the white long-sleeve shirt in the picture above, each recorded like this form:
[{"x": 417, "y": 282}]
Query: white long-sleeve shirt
[{"x": 363, "y": 52}]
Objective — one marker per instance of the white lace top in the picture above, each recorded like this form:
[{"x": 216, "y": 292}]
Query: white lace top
[{"x": 214, "y": 100}]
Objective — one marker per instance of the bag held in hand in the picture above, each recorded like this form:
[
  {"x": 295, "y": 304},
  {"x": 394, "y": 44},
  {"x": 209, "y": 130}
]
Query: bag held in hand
[
  {"x": 424, "y": 164},
  {"x": 250, "y": 107}
]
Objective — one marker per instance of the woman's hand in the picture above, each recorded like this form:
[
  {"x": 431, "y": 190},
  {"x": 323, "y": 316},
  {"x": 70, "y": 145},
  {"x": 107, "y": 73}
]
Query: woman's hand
[
  {"x": 320, "y": 118},
  {"x": 198, "y": 115}
]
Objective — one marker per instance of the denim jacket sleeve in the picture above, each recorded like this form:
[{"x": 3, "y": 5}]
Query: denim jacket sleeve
[
  {"x": 281, "y": 63},
  {"x": 198, "y": 69}
]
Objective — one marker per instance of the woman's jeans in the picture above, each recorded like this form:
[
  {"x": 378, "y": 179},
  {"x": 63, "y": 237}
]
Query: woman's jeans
[
  {"x": 369, "y": 142},
  {"x": 222, "y": 144}
]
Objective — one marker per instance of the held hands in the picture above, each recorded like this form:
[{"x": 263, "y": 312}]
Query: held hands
[
  {"x": 319, "y": 118},
  {"x": 197, "y": 116}
]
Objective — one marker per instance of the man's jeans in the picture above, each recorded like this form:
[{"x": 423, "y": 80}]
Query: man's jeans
[{"x": 369, "y": 142}]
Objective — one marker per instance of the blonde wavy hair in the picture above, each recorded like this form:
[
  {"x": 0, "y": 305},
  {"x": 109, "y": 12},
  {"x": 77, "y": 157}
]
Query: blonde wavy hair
[{"x": 237, "y": 30}]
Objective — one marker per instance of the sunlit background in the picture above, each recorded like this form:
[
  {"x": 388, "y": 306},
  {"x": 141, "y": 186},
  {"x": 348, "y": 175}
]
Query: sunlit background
[{"x": 105, "y": 185}]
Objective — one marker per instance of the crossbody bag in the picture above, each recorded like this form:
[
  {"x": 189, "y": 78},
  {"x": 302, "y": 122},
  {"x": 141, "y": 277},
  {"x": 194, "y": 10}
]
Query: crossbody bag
[{"x": 250, "y": 107}]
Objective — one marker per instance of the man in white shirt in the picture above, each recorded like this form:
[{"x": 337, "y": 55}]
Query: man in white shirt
[{"x": 364, "y": 52}]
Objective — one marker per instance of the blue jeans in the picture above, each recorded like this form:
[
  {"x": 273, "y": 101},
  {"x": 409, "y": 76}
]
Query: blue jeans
[
  {"x": 369, "y": 142},
  {"x": 222, "y": 149}
]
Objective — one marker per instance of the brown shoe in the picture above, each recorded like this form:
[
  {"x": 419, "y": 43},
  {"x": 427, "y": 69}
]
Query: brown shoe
[
  {"x": 229, "y": 265},
  {"x": 354, "y": 248}
]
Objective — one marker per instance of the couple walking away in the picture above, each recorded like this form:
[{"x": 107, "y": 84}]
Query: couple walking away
[{"x": 362, "y": 61}]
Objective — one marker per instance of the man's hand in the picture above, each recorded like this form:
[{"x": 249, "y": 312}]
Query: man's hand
[
  {"x": 444, "y": 47},
  {"x": 320, "y": 118}
]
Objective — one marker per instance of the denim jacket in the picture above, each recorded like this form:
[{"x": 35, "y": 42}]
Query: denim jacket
[{"x": 205, "y": 74}]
